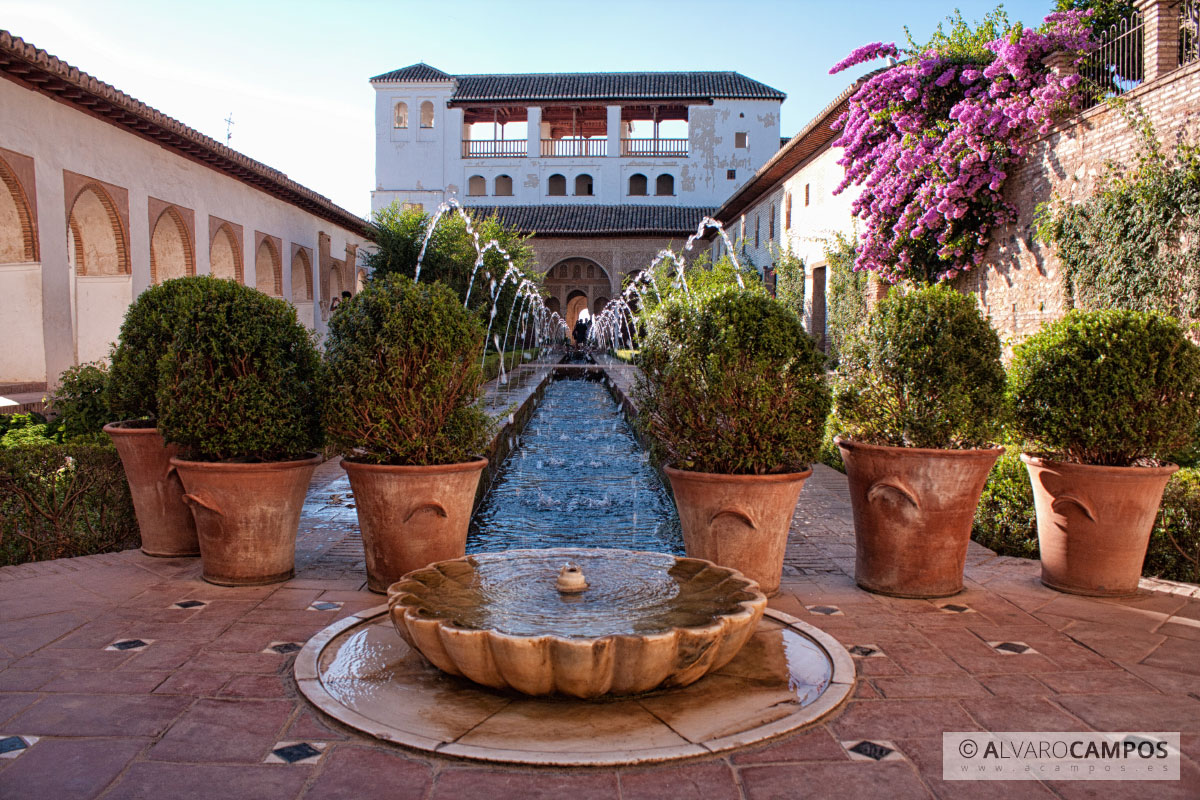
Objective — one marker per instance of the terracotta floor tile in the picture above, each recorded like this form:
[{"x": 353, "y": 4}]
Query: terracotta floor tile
[
  {"x": 308, "y": 725},
  {"x": 1186, "y": 788},
  {"x": 254, "y": 686},
  {"x": 68, "y": 768},
  {"x": 817, "y": 744},
  {"x": 898, "y": 719},
  {"x": 365, "y": 773},
  {"x": 1116, "y": 643},
  {"x": 1021, "y": 714},
  {"x": 1181, "y": 655},
  {"x": 107, "y": 682},
  {"x": 1013, "y": 685},
  {"x": 240, "y": 730},
  {"x": 1107, "y": 682},
  {"x": 194, "y": 682},
  {"x": 151, "y": 780},
  {"x": 17, "y": 679},
  {"x": 702, "y": 781},
  {"x": 495, "y": 784},
  {"x": 938, "y": 686},
  {"x": 12, "y": 703},
  {"x": 1135, "y": 712},
  {"x": 926, "y": 754},
  {"x": 100, "y": 715},
  {"x": 895, "y": 780}
]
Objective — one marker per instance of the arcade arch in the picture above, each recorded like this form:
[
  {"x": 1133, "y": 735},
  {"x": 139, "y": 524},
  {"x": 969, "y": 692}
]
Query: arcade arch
[
  {"x": 302, "y": 277},
  {"x": 171, "y": 254},
  {"x": 268, "y": 269},
  {"x": 225, "y": 255},
  {"x": 18, "y": 236},
  {"x": 575, "y": 284}
]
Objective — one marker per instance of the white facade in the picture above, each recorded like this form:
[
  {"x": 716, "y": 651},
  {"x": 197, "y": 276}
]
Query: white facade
[{"x": 726, "y": 141}]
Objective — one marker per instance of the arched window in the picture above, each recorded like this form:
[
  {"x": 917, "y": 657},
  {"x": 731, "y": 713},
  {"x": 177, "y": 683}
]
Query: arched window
[
  {"x": 664, "y": 185},
  {"x": 637, "y": 185},
  {"x": 426, "y": 114},
  {"x": 583, "y": 185},
  {"x": 556, "y": 186},
  {"x": 476, "y": 186},
  {"x": 400, "y": 118},
  {"x": 503, "y": 186}
]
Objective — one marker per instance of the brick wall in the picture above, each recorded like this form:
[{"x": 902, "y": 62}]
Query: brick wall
[{"x": 1019, "y": 285}]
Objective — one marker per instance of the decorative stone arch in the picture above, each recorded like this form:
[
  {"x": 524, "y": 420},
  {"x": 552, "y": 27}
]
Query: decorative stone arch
[
  {"x": 572, "y": 277},
  {"x": 302, "y": 275},
  {"x": 664, "y": 185},
  {"x": 172, "y": 237},
  {"x": 426, "y": 113},
  {"x": 225, "y": 249},
  {"x": 400, "y": 114},
  {"x": 584, "y": 185},
  {"x": 553, "y": 305},
  {"x": 577, "y": 302},
  {"x": 268, "y": 264},
  {"x": 598, "y": 304},
  {"x": 556, "y": 185},
  {"x": 504, "y": 186},
  {"x": 95, "y": 225},
  {"x": 638, "y": 185},
  {"x": 476, "y": 186},
  {"x": 18, "y": 216}
]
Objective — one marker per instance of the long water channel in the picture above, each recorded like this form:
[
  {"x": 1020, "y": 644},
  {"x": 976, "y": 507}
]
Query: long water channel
[{"x": 579, "y": 478}]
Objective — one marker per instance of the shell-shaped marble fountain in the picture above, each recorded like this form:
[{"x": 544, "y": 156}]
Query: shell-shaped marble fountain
[{"x": 583, "y": 623}]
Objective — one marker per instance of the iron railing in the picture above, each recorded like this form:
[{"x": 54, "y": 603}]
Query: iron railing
[
  {"x": 562, "y": 148},
  {"x": 495, "y": 148},
  {"x": 654, "y": 147},
  {"x": 1116, "y": 66}
]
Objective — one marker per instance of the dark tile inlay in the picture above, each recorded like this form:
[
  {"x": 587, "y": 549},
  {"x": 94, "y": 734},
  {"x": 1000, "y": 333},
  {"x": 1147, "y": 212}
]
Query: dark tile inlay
[
  {"x": 1012, "y": 647},
  {"x": 10, "y": 744},
  {"x": 863, "y": 650},
  {"x": 127, "y": 644},
  {"x": 955, "y": 609},
  {"x": 297, "y": 752},
  {"x": 322, "y": 605},
  {"x": 871, "y": 750},
  {"x": 826, "y": 610},
  {"x": 283, "y": 648},
  {"x": 190, "y": 604}
]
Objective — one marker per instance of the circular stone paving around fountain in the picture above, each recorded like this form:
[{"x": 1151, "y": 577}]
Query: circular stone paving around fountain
[{"x": 360, "y": 672}]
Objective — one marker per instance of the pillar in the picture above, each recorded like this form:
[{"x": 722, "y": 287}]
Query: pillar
[
  {"x": 534, "y": 126},
  {"x": 614, "y": 131},
  {"x": 1160, "y": 37}
]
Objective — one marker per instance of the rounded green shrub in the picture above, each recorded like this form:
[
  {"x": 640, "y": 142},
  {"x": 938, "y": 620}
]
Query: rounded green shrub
[
  {"x": 925, "y": 372},
  {"x": 731, "y": 384},
  {"x": 1106, "y": 387},
  {"x": 81, "y": 401},
  {"x": 146, "y": 333},
  {"x": 1004, "y": 519},
  {"x": 403, "y": 370},
  {"x": 240, "y": 380}
]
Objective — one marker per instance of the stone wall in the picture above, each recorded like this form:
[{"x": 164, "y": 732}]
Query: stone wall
[{"x": 1020, "y": 283}]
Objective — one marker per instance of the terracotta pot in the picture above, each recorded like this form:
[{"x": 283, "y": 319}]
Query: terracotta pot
[
  {"x": 1094, "y": 523},
  {"x": 913, "y": 510},
  {"x": 168, "y": 530},
  {"x": 739, "y": 521},
  {"x": 412, "y": 516},
  {"x": 246, "y": 516}
]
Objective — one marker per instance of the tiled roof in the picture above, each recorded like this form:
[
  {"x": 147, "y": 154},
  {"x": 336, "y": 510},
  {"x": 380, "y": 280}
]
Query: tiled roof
[
  {"x": 589, "y": 220},
  {"x": 51, "y": 76},
  {"x": 417, "y": 73},
  {"x": 591, "y": 85}
]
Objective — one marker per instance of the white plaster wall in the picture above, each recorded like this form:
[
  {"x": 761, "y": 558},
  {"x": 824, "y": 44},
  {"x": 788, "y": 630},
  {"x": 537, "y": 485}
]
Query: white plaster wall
[
  {"x": 100, "y": 303},
  {"x": 407, "y": 169},
  {"x": 58, "y": 137},
  {"x": 22, "y": 356}
]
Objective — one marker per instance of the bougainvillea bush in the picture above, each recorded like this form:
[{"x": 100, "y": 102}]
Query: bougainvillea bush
[{"x": 932, "y": 139}]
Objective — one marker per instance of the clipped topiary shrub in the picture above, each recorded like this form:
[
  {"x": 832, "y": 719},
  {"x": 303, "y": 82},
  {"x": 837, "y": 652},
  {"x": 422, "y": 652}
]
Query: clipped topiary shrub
[
  {"x": 146, "y": 333},
  {"x": 731, "y": 385},
  {"x": 925, "y": 372},
  {"x": 403, "y": 370},
  {"x": 81, "y": 400},
  {"x": 1174, "y": 551},
  {"x": 1005, "y": 519},
  {"x": 1109, "y": 388},
  {"x": 240, "y": 380}
]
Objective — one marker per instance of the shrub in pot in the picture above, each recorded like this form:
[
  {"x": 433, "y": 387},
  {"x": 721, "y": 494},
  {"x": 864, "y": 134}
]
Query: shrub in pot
[
  {"x": 403, "y": 367},
  {"x": 732, "y": 395},
  {"x": 1101, "y": 398},
  {"x": 239, "y": 393},
  {"x": 919, "y": 398},
  {"x": 166, "y": 523}
]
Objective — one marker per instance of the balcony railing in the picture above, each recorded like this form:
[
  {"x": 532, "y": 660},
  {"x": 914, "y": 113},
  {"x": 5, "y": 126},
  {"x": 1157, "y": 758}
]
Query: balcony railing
[
  {"x": 562, "y": 148},
  {"x": 495, "y": 148},
  {"x": 674, "y": 148}
]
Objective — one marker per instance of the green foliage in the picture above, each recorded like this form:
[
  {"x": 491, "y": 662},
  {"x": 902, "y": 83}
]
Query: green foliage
[
  {"x": 1135, "y": 243},
  {"x": 27, "y": 430},
  {"x": 1106, "y": 387},
  {"x": 966, "y": 42},
  {"x": 926, "y": 372},
  {"x": 846, "y": 295},
  {"x": 1105, "y": 13},
  {"x": 831, "y": 455},
  {"x": 61, "y": 501},
  {"x": 1174, "y": 551},
  {"x": 240, "y": 379},
  {"x": 512, "y": 360},
  {"x": 1005, "y": 519},
  {"x": 147, "y": 331},
  {"x": 789, "y": 281},
  {"x": 450, "y": 256},
  {"x": 731, "y": 384},
  {"x": 704, "y": 279},
  {"x": 81, "y": 400},
  {"x": 402, "y": 361}
]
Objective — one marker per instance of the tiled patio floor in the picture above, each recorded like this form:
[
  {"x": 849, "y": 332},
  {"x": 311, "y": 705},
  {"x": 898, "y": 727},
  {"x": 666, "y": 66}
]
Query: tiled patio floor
[{"x": 199, "y": 707}]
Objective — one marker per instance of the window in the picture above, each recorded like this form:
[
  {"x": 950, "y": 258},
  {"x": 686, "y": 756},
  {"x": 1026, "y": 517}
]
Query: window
[
  {"x": 583, "y": 185},
  {"x": 476, "y": 186},
  {"x": 741, "y": 140},
  {"x": 426, "y": 114},
  {"x": 503, "y": 186},
  {"x": 400, "y": 118},
  {"x": 731, "y": 174},
  {"x": 664, "y": 185},
  {"x": 787, "y": 211},
  {"x": 771, "y": 225},
  {"x": 757, "y": 219},
  {"x": 557, "y": 186},
  {"x": 806, "y": 187},
  {"x": 638, "y": 185}
]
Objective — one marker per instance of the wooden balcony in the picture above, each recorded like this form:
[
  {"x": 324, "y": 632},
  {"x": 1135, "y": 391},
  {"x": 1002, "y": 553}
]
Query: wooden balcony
[
  {"x": 564, "y": 148},
  {"x": 669, "y": 148},
  {"x": 495, "y": 148}
]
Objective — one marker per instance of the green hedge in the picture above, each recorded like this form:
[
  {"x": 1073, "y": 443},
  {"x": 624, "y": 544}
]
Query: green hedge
[
  {"x": 1005, "y": 520},
  {"x": 61, "y": 501}
]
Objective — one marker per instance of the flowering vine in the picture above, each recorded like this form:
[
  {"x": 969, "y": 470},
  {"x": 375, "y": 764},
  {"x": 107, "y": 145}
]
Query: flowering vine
[{"x": 932, "y": 139}]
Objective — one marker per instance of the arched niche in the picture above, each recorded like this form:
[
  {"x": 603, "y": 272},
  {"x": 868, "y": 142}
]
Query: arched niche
[
  {"x": 18, "y": 231},
  {"x": 302, "y": 277},
  {"x": 268, "y": 267},
  {"x": 171, "y": 253},
  {"x": 225, "y": 253},
  {"x": 98, "y": 238}
]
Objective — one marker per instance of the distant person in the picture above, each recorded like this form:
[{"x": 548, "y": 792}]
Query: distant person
[
  {"x": 337, "y": 300},
  {"x": 580, "y": 332}
]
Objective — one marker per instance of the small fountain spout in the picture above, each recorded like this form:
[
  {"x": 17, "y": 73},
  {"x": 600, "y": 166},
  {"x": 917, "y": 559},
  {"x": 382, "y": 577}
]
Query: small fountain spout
[{"x": 571, "y": 580}]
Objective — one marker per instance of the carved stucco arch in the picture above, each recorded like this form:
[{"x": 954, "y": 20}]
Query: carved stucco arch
[
  {"x": 25, "y": 221},
  {"x": 76, "y": 228},
  {"x": 171, "y": 216}
]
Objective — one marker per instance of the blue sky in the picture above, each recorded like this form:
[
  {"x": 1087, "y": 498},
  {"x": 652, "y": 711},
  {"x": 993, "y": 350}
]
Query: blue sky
[{"x": 294, "y": 75}]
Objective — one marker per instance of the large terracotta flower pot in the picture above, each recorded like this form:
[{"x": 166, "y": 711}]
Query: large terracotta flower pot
[
  {"x": 246, "y": 516},
  {"x": 412, "y": 516},
  {"x": 168, "y": 530},
  {"x": 913, "y": 510},
  {"x": 738, "y": 521},
  {"x": 1094, "y": 523}
]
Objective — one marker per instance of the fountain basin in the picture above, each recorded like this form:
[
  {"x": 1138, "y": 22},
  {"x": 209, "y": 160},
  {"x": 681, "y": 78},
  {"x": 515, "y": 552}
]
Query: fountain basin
[{"x": 646, "y": 620}]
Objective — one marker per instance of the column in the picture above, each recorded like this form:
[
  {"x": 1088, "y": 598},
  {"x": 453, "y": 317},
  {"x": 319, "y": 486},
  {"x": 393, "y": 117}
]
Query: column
[
  {"x": 1160, "y": 37},
  {"x": 534, "y": 125},
  {"x": 614, "y": 131}
]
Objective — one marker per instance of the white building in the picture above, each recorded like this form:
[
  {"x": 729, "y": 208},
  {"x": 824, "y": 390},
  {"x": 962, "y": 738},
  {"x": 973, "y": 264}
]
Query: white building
[{"x": 605, "y": 169}]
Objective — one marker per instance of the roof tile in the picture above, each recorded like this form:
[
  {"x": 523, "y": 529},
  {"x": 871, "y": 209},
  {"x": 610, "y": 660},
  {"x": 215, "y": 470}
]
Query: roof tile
[{"x": 589, "y": 220}]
